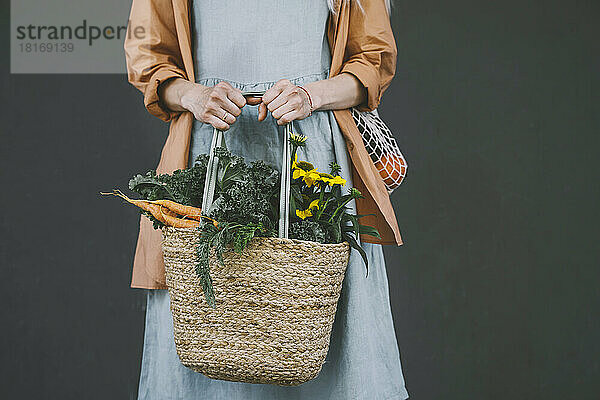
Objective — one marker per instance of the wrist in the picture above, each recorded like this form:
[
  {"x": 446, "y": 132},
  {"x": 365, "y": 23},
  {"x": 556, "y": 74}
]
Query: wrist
[
  {"x": 182, "y": 89},
  {"x": 314, "y": 95},
  {"x": 174, "y": 91},
  {"x": 311, "y": 107}
]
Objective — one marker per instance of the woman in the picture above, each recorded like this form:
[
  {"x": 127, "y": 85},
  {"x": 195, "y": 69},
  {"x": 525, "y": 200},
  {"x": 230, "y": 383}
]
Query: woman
[{"x": 313, "y": 59}]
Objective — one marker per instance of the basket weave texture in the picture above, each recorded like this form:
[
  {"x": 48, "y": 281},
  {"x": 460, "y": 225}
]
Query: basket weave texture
[{"x": 275, "y": 306}]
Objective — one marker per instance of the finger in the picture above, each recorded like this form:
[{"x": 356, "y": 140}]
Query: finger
[
  {"x": 262, "y": 111},
  {"x": 233, "y": 94},
  {"x": 222, "y": 109},
  {"x": 253, "y": 100},
  {"x": 228, "y": 105},
  {"x": 274, "y": 91},
  {"x": 236, "y": 96},
  {"x": 285, "y": 108},
  {"x": 262, "y": 108},
  {"x": 280, "y": 100},
  {"x": 217, "y": 123},
  {"x": 226, "y": 116},
  {"x": 289, "y": 117}
]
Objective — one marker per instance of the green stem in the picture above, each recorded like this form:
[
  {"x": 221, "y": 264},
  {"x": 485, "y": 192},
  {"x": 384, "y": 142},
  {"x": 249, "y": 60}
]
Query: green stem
[
  {"x": 321, "y": 205},
  {"x": 339, "y": 208}
]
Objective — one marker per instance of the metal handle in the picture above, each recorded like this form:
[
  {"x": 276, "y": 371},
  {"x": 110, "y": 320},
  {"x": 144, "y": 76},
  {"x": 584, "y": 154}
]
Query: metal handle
[
  {"x": 284, "y": 192},
  {"x": 211, "y": 171}
]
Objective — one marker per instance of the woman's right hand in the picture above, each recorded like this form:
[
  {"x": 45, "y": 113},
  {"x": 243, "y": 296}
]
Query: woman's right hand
[{"x": 219, "y": 105}]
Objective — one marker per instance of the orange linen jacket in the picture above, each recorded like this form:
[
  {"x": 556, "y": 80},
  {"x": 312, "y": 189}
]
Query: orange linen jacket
[{"x": 158, "y": 48}]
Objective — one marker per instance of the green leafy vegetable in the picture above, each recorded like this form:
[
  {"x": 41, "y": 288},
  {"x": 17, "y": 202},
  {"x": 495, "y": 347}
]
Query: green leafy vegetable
[
  {"x": 246, "y": 205},
  {"x": 218, "y": 239}
]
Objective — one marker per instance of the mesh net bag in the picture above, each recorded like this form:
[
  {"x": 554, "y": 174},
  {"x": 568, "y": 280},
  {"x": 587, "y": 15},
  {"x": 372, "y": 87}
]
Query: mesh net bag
[{"x": 382, "y": 147}]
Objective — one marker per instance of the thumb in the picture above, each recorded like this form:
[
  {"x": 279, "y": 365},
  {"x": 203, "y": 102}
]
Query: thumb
[
  {"x": 262, "y": 111},
  {"x": 252, "y": 101}
]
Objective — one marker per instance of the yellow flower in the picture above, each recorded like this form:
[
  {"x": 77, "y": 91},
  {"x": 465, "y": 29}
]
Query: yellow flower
[
  {"x": 297, "y": 139},
  {"x": 303, "y": 213},
  {"x": 309, "y": 177},
  {"x": 338, "y": 180},
  {"x": 303, "y": 165},
  {"x": 308, "y": 212}
]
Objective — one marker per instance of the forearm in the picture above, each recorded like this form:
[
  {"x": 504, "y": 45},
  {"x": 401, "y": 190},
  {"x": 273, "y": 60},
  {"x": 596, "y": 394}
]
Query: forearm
[
  {"x": 340, "y": 92},
  {"x": 172, "y": 91}
]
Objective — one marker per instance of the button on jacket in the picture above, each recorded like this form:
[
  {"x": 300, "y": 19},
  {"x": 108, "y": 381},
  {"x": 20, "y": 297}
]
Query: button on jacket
[{"x": 158, "y": 47}]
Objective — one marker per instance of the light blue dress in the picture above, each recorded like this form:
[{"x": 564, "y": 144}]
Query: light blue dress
[{"x": 252, "y": 44}]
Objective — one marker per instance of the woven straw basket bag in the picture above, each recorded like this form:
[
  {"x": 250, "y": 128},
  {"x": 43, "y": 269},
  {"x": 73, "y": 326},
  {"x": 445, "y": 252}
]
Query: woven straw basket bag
[{"x": 275, "y": 302}]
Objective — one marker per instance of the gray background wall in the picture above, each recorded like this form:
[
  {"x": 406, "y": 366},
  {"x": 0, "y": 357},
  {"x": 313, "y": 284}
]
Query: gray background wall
[{"x": 494, "y": 294}]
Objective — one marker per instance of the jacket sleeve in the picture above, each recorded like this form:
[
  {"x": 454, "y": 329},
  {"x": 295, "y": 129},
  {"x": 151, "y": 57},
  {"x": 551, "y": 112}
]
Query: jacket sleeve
[
  {"x": 370, "y": 53},
  {"x": 152, "y": 52}
]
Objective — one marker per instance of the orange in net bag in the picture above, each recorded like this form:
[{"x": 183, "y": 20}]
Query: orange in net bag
[{"x": 382, "y": 147}]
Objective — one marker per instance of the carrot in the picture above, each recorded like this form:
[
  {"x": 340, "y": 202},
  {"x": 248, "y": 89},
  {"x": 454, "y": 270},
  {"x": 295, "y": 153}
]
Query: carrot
[
  {"x": 143, "y": 204},
  {"x": 179, "y": 222},
  {"x": 172, "y": 219},
  {"x": 166, "y": 211},
  {"x": 183, "y": 210},
  {"x": 165, "y": 216}
]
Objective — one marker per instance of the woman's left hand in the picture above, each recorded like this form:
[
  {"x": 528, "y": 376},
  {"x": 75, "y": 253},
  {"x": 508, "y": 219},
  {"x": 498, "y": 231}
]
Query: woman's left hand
[{"x": 286, "y": 101}]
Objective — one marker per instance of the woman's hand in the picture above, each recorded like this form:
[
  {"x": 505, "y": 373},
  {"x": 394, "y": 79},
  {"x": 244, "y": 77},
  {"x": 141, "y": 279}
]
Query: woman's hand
[
  {"x": 286, "y": 102},
  {"x": 219, "y": 105}
]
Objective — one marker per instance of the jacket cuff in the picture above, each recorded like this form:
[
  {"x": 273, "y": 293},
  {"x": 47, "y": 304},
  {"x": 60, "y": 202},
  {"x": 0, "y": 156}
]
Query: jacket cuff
[
  {"x": 151, "y": 98},
  {"x": 368, "y": 75}
]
